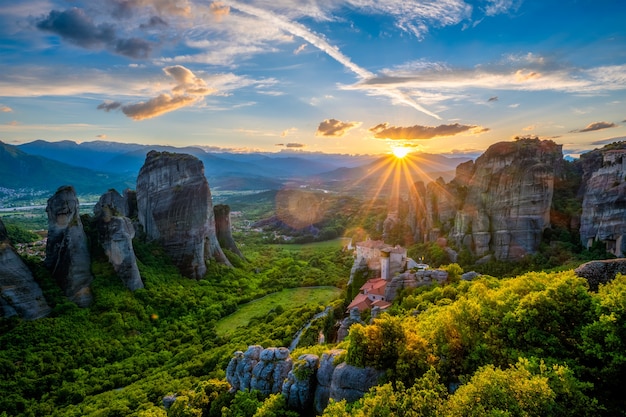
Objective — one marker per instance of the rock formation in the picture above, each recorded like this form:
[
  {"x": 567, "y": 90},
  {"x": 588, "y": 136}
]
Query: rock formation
[
  {"x": 601, "y": 272},
  {"x": 346, "y": 323},
  {"x": 175, "y": 208},
  {"x": 67, "y": 253},
  {"x": 350, "y": 382},
  {"x": 259, "y": 369},
  {"x": 309, "y": 382},
  {"x": 604, "y": 203},
  {"x": 498, "y": 204},
  {"x": 223, "y": 229},
  {"x": 299, "y": 388},
  {"x": 19, "y": 293},
  {"x": 416, "y": 279},
  {"x": 116, "y": 233}
]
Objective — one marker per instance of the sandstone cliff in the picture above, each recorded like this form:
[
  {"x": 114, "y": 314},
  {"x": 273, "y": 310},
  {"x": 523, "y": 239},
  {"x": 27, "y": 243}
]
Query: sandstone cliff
[
  {"x": 67, "y": 253},
  {"x": 116, "y": 233},
  {"x": 19, "y": 293},
  {"x": 498, "y": 204},
  {"x": 604, "y": 198},
  {"x": 175, "y": 208}
]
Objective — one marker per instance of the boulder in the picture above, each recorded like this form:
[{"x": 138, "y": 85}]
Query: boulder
[
  {"x": 175, "y": 209},
  {"x": 19, "y": 293},
  {"x": 601, "y": 272},
  {"x": 67, "y": 252},
  {"x": 116, "y": 233}
]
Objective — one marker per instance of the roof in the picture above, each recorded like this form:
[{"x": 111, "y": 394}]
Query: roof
[
  {"x": 361, "y": 301},
  {"x": 374, "y": 286}
]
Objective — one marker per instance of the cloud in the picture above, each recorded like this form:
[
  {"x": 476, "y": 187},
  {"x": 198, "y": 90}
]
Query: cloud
[
  {"x": 591, "y": 127},
  {"x": 384, "y": 131},
  {"x": 295, "y": 145},
  {"x": 492, "y": 99},
  {"x": 155, "y": 22},
  {"x": 123, "y": 9},
  {"x": 102, "y": 136},
  {"x": 335, "y": 128},
  {"x": 607, "y": 141},
  {"x": 109, "y": 105},
  {"x": 188, "y": 90},
  {"x": 287, "y": 132},
  {"x": 5, "y": 109},
  {"x": 218, "y": 10},
  {"x": 320, "y": 43},
  {"x": 299, "y": 49},
  {"x": 157, "y": 106},
  {"x": 74, "y": 26}
]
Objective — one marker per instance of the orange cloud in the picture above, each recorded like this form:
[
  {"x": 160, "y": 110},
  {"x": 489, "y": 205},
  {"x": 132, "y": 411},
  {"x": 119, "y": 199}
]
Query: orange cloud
[
  {"x": 335, "y": 128},
  {"x": 219, "y": 10},
  {"x": 521, "y": 77},
  {"x": 384, "y": 131}
]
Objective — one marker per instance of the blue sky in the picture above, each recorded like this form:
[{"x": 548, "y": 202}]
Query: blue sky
[{"x": 352, "y": 76}]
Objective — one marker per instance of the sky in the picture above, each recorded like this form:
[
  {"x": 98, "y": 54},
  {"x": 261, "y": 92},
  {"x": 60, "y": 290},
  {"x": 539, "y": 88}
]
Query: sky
[{"x": 350, "y": 76}]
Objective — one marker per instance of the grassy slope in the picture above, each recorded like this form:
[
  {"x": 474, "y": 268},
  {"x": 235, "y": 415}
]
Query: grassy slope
[{"x": 288, "y": 299}]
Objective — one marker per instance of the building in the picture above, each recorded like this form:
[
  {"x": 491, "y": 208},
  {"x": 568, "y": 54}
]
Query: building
[{"x": 371, "y": 294}]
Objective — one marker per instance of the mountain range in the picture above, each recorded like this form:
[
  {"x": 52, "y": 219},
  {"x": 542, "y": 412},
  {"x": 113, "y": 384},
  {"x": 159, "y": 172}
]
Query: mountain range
[{"x": 94, "y": 167}]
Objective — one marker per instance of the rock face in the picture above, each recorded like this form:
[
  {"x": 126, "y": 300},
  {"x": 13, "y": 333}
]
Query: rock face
[
  {"x": 351, "y": 383},
  {"x": 19, "y": 293},
  {"x": 299, "y": 388},
  {"x": 67, "y": 253},
  {"x": 604, "y": 203},
  {"x": 223, "y": 229},
  {"x": 601, "y": 272},
  {"x": 116, "y": 233},
  {"x": 410, "y": 279},
  {"x": 498, "y": 204},
  {"x": 259, "y": 369},
  {"x": 175, "y": 208},
  {"x": 308, "y": 383}
]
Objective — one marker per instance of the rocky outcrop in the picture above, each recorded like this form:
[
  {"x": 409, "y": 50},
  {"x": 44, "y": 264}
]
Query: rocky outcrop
[
  {"x": 67, "y": 253},
  {"x": 604, "y": 202},
  {"x": 350, "y": 382},
  {"x": 223, "y": 229},
  {"x": 116, "y": 233},
  {"x": 413, "y": 280},
  {"x": 308, "y": 383},
  {"x": 259, "y": 369},
  {"x": 346, "y": 323},
  {"x": 498, "y": 204},
  {"x": 175, "y": 209},
  {"x": 20, "y": 295},
  {"x": 601, "y": 272},
  {"x": 299, "y": 388}
]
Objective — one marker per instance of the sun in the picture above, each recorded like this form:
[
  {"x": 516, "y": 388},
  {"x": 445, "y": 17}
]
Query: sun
[{"x": 400, "y": 151}]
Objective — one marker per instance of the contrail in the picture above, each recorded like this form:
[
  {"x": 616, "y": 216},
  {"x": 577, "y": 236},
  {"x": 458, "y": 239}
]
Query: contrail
[{"x": 320, "y": 43}]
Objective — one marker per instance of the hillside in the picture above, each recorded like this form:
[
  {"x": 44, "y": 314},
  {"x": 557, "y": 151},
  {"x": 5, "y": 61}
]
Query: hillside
[{"x": 19, "y": 170}]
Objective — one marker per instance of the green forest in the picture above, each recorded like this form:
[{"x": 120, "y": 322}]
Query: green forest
[{"x": 533, "y": 344}]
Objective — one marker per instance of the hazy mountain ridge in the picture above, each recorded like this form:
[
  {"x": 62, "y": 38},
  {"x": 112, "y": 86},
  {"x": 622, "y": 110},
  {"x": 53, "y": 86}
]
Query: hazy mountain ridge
[
  {"x": 228, "y": 170},
  {"x": 19, "y": 169}
]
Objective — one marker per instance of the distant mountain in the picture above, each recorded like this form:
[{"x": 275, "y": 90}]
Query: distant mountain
[
  {"x": 21, "y": 170},
  {"x": 254, "y": 171}
]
